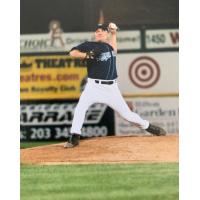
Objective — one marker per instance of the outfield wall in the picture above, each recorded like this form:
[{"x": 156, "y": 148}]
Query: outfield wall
[
  {"x": 162, "y": 111},
  {"x": 51, "y": 84},
  {"x": 52, "y": 119}
]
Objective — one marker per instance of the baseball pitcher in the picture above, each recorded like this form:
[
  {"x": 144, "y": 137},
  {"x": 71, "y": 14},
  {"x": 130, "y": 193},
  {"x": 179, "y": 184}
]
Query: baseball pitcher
[{"x": 102, "y": 84}]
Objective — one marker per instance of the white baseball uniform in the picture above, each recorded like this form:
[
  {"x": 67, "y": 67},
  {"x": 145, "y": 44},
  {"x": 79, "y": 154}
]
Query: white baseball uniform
[{"x": 109, "y": 95}]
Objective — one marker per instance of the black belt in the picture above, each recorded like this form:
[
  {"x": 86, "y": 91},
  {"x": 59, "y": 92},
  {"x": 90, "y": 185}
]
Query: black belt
[{"x": 104, "y": 82}]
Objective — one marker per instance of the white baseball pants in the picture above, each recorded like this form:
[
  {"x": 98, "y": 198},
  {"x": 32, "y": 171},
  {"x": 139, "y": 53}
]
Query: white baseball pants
[{"x": 109, "y": 95}]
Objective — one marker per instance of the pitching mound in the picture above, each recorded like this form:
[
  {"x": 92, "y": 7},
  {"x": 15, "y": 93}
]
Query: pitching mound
[{"x": 129, "y": 149}]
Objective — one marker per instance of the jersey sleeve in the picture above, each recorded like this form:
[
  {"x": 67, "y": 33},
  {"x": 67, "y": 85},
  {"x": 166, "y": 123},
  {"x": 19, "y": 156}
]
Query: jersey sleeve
[{"x": 84, "y": 47}]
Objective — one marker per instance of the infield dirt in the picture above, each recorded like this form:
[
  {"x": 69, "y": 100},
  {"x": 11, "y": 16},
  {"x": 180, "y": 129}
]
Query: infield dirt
[{"x": 115, "y": 149}]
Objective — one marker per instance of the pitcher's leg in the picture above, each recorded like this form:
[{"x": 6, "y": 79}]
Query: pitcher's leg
[
  {"x": 117, "y": 102},
  {"x": 122, "y": 108},
  {"x": 84, "y": 103}
]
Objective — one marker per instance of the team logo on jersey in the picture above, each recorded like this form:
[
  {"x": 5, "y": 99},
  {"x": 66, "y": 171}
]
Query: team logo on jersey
[{"x": 105, "y": 56}]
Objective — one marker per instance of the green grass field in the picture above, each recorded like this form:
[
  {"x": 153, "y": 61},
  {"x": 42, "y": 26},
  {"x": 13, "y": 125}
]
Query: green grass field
[
  {"x": 24, "y": 145},
  {"x": 95, "y": 182}
]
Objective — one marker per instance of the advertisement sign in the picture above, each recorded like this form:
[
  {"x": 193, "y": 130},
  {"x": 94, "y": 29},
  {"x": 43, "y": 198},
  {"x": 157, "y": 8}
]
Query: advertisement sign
[
  {"x": 160, "y": 111},
  {"x": 127, "y": 40},
  {"x": 51, "y": 77},
  {"x": 163, "y": 38},
  {"x": 30, "y": 43},
  {"x": 52, "y": 120},
  {"x": 148, "y": 73},
  {"x": 44, "y": 43}
]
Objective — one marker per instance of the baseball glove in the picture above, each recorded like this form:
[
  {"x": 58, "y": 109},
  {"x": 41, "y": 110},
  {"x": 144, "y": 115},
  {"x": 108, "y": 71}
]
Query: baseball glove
[{"x": 93, "y": 54}]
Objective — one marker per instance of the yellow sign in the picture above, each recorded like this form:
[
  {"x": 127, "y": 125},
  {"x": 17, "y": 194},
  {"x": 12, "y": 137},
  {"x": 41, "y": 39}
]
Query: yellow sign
[{"x": 51, "y": 77}]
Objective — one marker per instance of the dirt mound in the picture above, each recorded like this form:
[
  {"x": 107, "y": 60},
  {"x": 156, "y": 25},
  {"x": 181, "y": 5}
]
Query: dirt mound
[{"x": 129, "y": 149}]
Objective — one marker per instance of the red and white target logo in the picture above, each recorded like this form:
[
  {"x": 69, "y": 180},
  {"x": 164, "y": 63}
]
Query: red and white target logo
[{"x": 144, "y": 72}]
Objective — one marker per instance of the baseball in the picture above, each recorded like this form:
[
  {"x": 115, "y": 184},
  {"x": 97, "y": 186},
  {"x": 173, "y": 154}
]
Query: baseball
[{"x": 112, "y": 26}]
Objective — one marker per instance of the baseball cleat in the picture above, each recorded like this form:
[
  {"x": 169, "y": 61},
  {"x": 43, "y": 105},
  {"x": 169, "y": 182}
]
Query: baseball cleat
[
  {"x": 156, "y": 130},
  {"x": 72, "y": 141}
]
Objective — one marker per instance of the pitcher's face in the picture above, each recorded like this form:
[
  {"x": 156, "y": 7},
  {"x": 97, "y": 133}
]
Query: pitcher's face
[{"x": 101, "y": 35}]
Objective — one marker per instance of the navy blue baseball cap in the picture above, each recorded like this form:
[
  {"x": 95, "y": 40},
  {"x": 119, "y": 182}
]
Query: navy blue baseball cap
[{"x": 104, "y": 27}]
